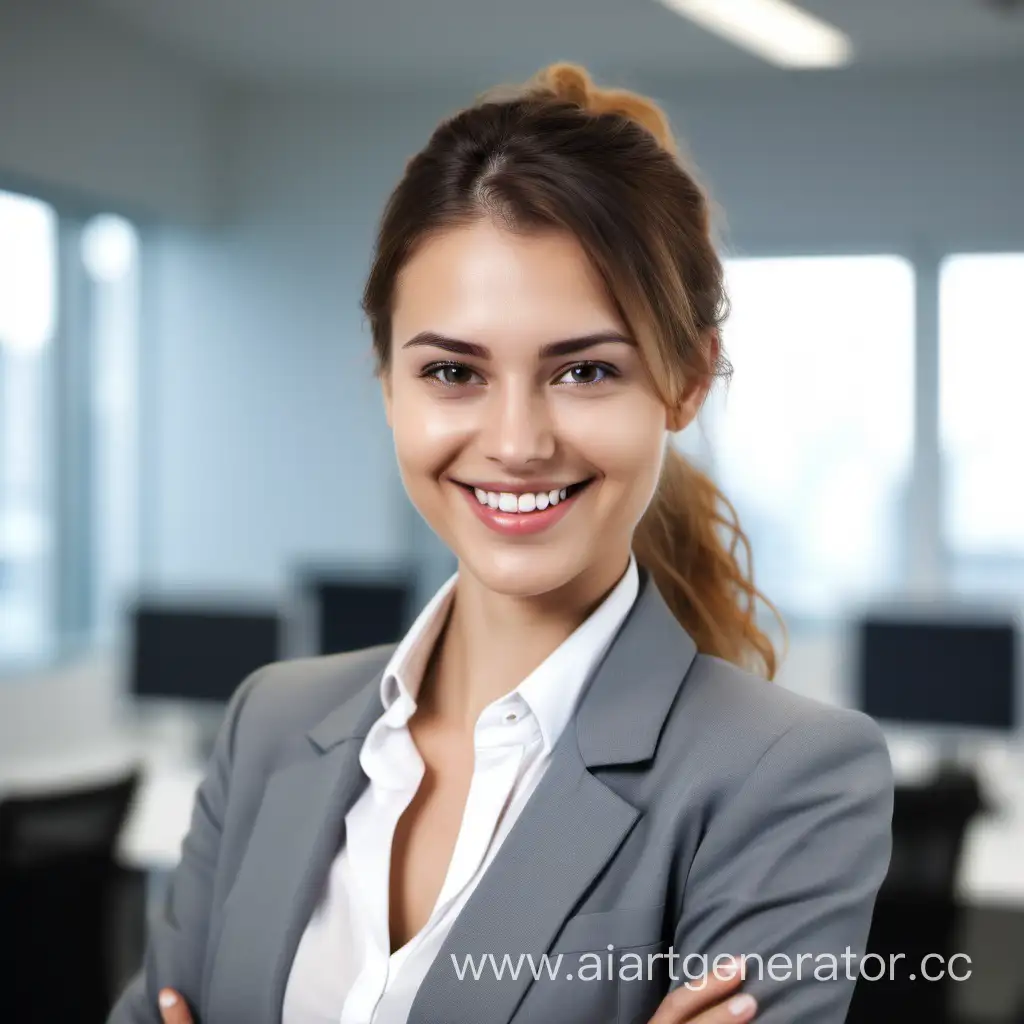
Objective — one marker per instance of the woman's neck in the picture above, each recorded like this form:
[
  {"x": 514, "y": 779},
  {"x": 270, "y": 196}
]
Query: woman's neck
[{"x": 492, "y": 641}]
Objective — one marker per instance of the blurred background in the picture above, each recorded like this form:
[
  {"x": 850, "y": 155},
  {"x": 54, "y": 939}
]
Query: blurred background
[{"x": 196, "y": 476}]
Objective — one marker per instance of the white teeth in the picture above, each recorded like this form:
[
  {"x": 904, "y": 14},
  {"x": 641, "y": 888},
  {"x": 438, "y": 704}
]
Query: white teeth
[{"x": 507, "y": 501}]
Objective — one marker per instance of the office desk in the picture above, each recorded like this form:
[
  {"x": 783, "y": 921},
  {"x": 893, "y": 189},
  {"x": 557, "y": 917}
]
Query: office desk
[
  {"x": 992, "y": 860},
  {"x": 161, "y": 810},
  {"x": 993, "y": 855},
  {"x": 151, "y": 839}
]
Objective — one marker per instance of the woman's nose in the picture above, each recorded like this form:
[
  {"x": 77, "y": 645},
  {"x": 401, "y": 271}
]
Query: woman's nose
[{"x": 518, "y": 428}]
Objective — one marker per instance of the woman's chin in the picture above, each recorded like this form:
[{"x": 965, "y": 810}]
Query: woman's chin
[{"x": 522, "y": 573}]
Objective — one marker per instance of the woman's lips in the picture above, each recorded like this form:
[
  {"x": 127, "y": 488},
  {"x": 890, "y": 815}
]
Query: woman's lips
[{"x": 513, "y": 524}]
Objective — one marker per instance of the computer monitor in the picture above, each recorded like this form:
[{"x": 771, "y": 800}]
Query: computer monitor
[
  {"x": 198, "y": 653},
  {"x": 949, "y": 671},
  {"x": 353, "y": 612}
]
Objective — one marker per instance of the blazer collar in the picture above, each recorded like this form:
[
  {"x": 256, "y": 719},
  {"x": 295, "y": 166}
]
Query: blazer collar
[
  {"x": 623, "y": 705},
  {"x": 631, "y": 690},
  {"x": 353, "y": 718}
]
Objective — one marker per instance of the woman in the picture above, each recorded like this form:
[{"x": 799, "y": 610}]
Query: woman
[{"x": 571, "y": 752}]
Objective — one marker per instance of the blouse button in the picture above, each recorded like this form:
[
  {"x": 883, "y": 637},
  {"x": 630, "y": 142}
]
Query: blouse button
[{"x": 511, "y": 716}]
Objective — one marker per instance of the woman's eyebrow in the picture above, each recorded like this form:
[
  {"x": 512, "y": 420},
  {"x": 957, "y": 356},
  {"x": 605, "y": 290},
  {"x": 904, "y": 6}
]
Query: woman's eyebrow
[{"x": 555, "y": 348}]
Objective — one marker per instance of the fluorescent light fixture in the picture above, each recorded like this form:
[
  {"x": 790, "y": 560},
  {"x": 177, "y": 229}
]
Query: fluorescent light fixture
[{"x": 775, "y": 30}]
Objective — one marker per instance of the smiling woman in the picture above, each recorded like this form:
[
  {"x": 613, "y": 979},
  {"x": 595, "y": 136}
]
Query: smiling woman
[{"x": 568, "y": 753}]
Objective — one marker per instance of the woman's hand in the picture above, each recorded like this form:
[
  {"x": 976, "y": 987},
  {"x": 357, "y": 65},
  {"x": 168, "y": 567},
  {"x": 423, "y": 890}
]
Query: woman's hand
[
  {"x": 715, "y": 1001},
  {"x": 173, "y": 1009}
]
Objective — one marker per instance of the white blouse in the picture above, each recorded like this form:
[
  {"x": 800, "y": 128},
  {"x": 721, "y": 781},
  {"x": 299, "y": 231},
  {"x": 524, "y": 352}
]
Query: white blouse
[{"x": 343, "y": 972}]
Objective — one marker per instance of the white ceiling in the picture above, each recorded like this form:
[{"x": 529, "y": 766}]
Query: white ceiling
[{"x": 325, "y": 41}]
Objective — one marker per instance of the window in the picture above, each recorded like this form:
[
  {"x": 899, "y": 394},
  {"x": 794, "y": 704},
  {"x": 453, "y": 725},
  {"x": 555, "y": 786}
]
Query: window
[
  {"x": 981, "y": 330},
  {"x": 68, "y": 492},
  {"x": 812, "y": 441},
  {"x": 28, "y": 316}
]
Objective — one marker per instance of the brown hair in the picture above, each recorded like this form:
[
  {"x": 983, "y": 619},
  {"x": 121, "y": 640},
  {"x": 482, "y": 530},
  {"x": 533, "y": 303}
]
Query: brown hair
[{"x": 602, "y": 164}]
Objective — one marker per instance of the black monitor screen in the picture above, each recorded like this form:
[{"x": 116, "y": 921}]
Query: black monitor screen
[
  {"x": 194, "y": 654},
  {"x": 352, "y": 614},
  {"x": 952, "y": 673}
]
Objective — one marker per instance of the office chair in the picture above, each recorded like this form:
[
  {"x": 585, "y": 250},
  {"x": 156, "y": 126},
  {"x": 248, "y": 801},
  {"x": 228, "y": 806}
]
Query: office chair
[
  {"x": 57, "y": 883},
  {"x": 916, "y": 912}
]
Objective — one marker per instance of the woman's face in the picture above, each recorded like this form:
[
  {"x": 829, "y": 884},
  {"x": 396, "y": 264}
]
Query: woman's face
[{"x": 514, "y": 383}]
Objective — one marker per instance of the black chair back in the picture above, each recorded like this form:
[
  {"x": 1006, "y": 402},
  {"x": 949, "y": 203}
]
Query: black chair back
[
  {"x": 57, "y": 881},
  {"x": 916, "y": 912}
]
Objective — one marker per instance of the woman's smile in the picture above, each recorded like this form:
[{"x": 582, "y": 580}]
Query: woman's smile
[{"x": 519, "y": 511}]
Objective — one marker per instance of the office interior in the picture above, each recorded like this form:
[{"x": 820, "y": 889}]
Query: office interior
[{"x": 196, "y": 475}]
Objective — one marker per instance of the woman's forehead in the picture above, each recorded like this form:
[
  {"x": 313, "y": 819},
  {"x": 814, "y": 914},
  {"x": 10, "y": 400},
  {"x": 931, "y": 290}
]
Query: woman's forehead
[{"x": 482, "y": 280}]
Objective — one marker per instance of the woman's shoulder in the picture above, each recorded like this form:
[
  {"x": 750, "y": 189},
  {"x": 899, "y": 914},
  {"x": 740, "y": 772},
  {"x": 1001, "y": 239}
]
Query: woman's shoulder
[
  {"x": 282, "y": 701},
  {"x": 739, "y": 721},
  {"x": 722, "y": 688}
]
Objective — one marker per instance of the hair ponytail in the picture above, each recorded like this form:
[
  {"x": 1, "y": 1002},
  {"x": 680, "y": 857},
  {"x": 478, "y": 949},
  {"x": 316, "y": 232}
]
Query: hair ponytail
[{"x": 698, "y": 572}]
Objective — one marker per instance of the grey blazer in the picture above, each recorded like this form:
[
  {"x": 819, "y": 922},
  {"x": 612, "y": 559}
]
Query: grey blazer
[{"x": 690, "y": 808}]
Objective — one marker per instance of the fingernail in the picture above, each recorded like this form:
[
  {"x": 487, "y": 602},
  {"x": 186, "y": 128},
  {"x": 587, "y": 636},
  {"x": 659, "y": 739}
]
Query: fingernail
[
  {"x": 167, "y": 1000},
  {"x": 742, "y": 1004}
]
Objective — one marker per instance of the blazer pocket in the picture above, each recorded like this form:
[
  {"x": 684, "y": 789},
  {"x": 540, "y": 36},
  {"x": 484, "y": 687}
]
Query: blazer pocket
[{"x": 621, "y": 928}]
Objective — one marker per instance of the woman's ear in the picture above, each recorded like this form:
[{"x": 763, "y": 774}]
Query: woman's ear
[
  {"x": 695, "y": 392},
  {"x": 682, "y": 415}
]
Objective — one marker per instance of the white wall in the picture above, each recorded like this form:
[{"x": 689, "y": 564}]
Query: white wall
[
  {"x": 903, "y": 162},
  {"x": 89, "y": 111},
  {"x": 268, "y": 440}
]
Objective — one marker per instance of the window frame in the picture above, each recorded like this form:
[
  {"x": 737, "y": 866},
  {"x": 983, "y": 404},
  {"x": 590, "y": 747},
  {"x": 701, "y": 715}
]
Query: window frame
[{"x": 69, "y": 443}]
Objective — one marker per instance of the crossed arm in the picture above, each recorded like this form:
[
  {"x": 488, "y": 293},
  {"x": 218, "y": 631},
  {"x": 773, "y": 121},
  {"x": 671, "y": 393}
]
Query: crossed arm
[{"x": 791, "y": 866}]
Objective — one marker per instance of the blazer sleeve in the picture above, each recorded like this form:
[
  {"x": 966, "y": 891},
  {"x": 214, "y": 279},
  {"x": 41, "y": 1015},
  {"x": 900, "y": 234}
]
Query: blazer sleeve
[
  {"x": 176, "y": 940},
  {"x": 790, "y": 867}
]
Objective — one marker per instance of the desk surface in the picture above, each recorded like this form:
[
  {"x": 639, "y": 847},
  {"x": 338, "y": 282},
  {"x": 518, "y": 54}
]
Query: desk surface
[
  {"x": 161, "y": 810},
  {"x": 992, "y": 859},
  {"x": 992, "y": 867}
]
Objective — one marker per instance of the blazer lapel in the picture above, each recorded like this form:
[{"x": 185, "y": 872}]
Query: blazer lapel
[
  {"x": 571, "y": 826},
  {"x": 298, "y": 830}
]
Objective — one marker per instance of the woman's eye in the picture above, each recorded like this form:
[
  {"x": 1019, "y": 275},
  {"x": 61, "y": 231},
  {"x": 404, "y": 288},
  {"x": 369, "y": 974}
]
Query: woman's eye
[
  {"x": 586, "y": 373},
  {"x": 451, "y": 374}
]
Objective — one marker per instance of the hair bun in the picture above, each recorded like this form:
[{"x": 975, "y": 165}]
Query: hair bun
[
  {"x": 572, "y": 83},
  {"x": 568, "y": 82}
]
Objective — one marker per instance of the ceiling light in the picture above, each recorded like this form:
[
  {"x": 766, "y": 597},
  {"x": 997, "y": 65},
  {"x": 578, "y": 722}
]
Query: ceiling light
[{"x": 775, "y": 30}]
